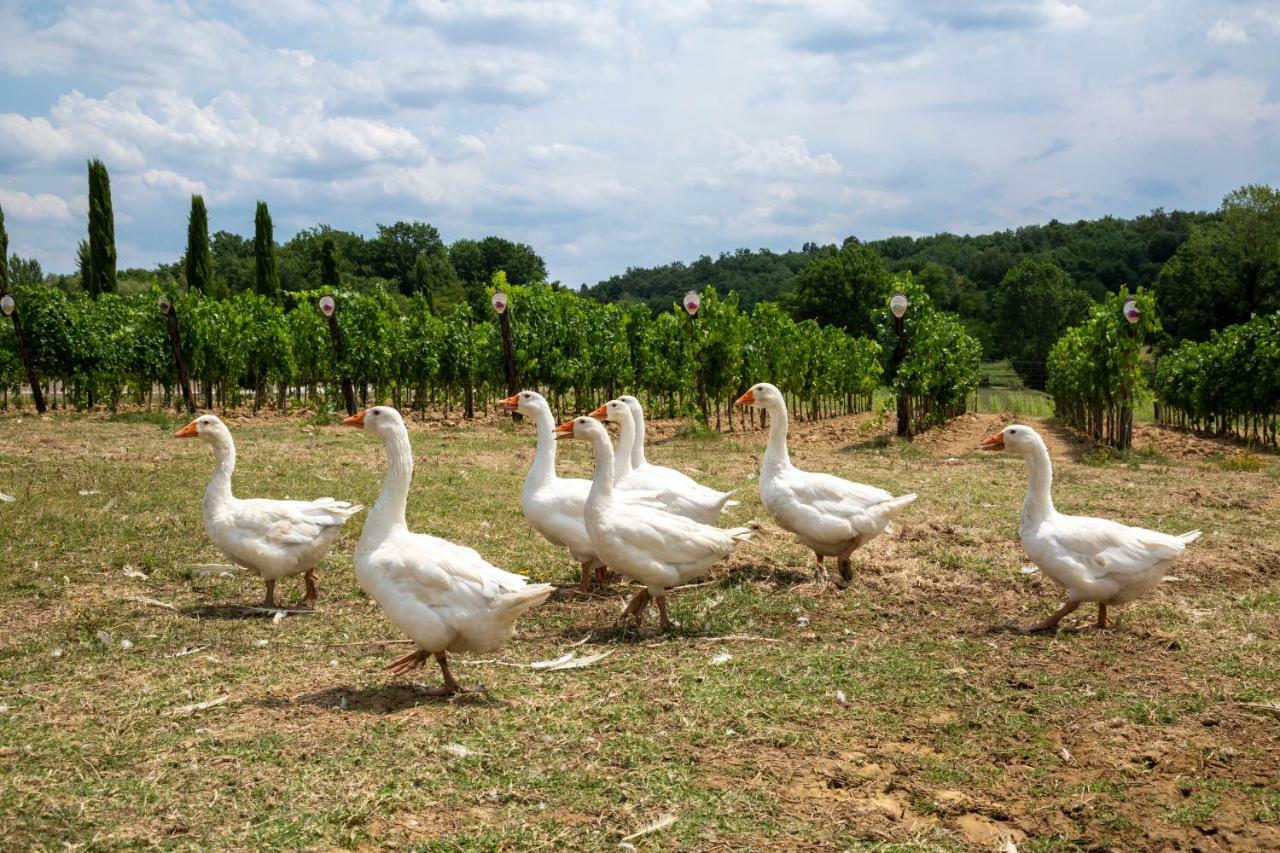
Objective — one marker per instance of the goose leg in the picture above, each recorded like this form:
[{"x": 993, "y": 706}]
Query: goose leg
[
  {"x": 846, "y": 571},
  {"x": 1102, "y": 617},
  {"x": 401, "y": 665},
  {"x": 821, "y": 573},
  {"x": 663, "y": 620},
  {"x": 313, "y": 588},
  {"x": 451, "y": 685},
  {"x": 270, "y": 600},
  {"x": 636, "y": 605},
  {"x": 1051, "y": 624},
  {"x": 584, "y": 584},
  {"x": 602, "y": 574}
]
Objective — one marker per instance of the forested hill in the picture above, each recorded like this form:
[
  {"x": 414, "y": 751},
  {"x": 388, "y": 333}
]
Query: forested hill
[
  {"x": 757, "y": 277},
  {"x": 959, "y": 271}
]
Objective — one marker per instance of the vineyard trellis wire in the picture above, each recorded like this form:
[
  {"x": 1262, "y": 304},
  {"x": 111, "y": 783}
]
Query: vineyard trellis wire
[{"x": 100, "y": 352}]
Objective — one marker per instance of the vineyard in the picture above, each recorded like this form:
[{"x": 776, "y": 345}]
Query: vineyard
[
  {"x": 1228, "y": 385},
  {"x": 249, "y": 349},
  {"x": 1095, "y": 370}
]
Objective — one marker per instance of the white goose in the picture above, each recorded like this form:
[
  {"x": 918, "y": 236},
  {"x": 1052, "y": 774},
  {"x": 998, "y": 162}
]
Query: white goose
[
  {"x": 653, "y": 547},
  {"x": 830, "y": 515},
  {"x": 274, "y": 539},
  {"x": 446, "y": 597},
  {"x": 1095, "y": 559},
  {"x": 553, "y": 504},
  {"x": 679, "y": 492}
]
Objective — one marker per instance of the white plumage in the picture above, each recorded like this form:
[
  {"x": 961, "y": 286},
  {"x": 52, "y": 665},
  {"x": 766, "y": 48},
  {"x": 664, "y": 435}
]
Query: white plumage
[
  {"x": 676, "y": 491},
  {"x": 645, "y": 543},
  {"x": 553, "y": 504},
  {"x": 445, "y": 597},
  {"x": 1095, "y": 559},
  {"x": 273, "y": 538},
  {"x": 832, "y": 516}
]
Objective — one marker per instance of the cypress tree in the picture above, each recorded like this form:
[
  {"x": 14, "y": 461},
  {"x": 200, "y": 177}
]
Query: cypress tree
[
  {"x": 422, "y": 281},
  {"x": 84, "y": 265},
  {"x": 102, "y": 232},
  {"x": 199, "y": 265},
  {"x": 4, "y": 256},
  {"x": 266, "y": 278},
  {"x": 329, "y": 263}
]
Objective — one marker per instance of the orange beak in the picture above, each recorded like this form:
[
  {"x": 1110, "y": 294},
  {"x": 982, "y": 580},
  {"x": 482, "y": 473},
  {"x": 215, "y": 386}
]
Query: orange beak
[
  {"x": 993, "y": 442},
  {"x": 511, "y": 403},
  {"x": 356, "y": 420},
  {"x": 188, "y": 431},
  {"x": 747, "y": 399},
  {"x": 600, "y": 413},
  {"x": 565, "y": 430}
]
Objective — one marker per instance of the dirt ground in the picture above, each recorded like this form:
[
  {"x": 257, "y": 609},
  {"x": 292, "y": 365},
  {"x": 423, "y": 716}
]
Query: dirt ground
[{"x": 783, "y": 711}]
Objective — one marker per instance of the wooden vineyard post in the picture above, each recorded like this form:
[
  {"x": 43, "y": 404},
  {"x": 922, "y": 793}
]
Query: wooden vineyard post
[
  {"x": 175, "y": 343},
  {"x": 328, "y": 308},
  {"x": 10, "y": 307},
  {"x": 1124, "y": 429},
  {"x": 898, "y": 305},
  {"x": 508, "y": 349},
  {"x": 691, "y": 304}
]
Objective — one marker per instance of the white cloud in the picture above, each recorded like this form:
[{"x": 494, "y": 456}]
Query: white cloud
[
  {"x": 788, "y": 156},
  {"x": 1227, "y": 32},
  {"x": 42, "y": 207},
  {"x": 1065, "y": 16},
  {"x": 163, "y": 179}
]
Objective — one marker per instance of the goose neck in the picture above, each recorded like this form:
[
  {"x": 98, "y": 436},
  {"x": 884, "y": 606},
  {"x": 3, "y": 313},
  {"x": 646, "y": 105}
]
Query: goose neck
[
  {"x": 544, "y": 456},
  {"x": 775, "y": 454},
  {"x": 1038, "y": 504},
  {"x": 637, "y": 442},
  {"x": 388, "y": 511},
  {"x": 602, "y": 480},
  {"x": 623, "y": 453},
  {"x": 224, "y": 457}
]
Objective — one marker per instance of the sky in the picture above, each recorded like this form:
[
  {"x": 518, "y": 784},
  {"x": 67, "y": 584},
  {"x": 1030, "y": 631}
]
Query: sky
[{"x": 617, "y": 134}]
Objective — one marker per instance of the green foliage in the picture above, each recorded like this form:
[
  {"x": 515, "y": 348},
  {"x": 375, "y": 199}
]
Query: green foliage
[
  {"x": 475, "y": 262},
  {"x": 232, "y": 261},
  {"x": 266, "y": 279},
  {"x": 199, "y": 267},
  {"x": 1228, "y": 270},
  {"x": 941, "y": 361},
  {"x": 434, "y": 278},
  {"x": 398, "y": 347},
  {"x": 100, "y": 276},
  {"x": 760, "y": 276},
  {"x": 1035, "y": 304},
  {"x": 398, "y": 247},
  {"x": 329, "y": 276},
  {"x": 843, "y": 289},
  {"x": 1095, "y": 370},
  {"x": 1228, "y": 384}
]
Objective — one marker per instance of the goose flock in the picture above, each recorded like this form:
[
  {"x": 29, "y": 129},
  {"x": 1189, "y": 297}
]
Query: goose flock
[{"x": 652, "y": 525}]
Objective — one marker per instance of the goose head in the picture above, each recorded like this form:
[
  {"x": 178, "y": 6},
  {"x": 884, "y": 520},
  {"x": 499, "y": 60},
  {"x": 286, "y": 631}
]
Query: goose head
[
  {"x": 382, "y": 421},
  {"x": 1017, "y": 438},
  {"x": 585, "y": 427},
  {"x": 614, "y": 410},
  {"x": 633, "y": 403},
  {"x": 762, "y": 394},
  {"x": 527, "y": 403},
  {"x": 207, "y": 428}
]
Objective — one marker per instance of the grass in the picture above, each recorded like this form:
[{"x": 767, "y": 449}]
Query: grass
[{"x": 885, "y": 716}]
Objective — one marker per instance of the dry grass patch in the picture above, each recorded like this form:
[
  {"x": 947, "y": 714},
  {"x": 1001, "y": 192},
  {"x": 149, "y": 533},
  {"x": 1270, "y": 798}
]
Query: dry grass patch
[{"x": 782, "y": 711}]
